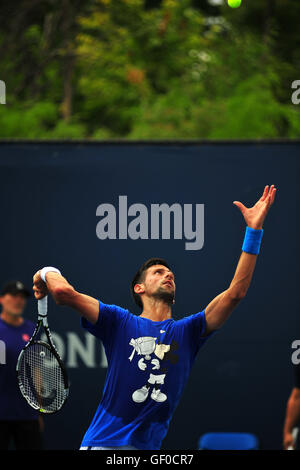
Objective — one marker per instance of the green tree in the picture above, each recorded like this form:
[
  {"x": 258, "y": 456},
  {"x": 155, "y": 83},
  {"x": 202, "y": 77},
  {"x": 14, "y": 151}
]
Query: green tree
[{"x": 179, "y": 69}]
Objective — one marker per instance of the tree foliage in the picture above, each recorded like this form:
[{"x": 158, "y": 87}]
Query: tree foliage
[{"x": 107, "y": 69}]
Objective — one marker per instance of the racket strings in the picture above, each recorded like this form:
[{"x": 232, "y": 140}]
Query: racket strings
[{"x": 42, "y": 378}]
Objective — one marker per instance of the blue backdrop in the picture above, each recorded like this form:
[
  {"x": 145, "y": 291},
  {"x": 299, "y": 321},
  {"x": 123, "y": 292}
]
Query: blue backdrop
[{"x": 55, "y": 201}]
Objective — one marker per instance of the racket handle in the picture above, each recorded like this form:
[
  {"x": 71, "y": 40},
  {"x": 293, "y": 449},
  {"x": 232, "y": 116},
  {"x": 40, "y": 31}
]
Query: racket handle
[{"x": 43, "y": 306}]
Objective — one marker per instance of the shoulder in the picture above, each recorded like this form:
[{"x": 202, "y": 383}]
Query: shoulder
[
  {"x": 112, "y": 314},
  {"x": 112, "y": 309},
  {"x": 191, "y": 319},
  {"x": 111, "y": 319},
  {"x": 195, "y": 325}
]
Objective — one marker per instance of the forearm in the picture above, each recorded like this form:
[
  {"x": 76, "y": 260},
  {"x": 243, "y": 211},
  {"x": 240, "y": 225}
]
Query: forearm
[
  {"x": 223, "y": 305},
  {"x": 60, "y": 289},
  {"x": 65, "y": 294},
  {"x": 243, "y": 275}
]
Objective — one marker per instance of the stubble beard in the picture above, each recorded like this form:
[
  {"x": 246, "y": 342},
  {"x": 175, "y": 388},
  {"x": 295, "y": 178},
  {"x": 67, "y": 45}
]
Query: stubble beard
[{"x": 164, "y": 295}]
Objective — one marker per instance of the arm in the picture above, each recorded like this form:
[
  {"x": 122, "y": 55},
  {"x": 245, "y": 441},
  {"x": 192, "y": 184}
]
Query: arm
[
  {"x": 220, "y": 308},
  {"x": 292, "y": 417},
  {"x": 65, "y": 294}
]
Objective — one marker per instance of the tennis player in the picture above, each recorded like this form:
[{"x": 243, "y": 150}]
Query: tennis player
[{"x": 150, "y": 356}]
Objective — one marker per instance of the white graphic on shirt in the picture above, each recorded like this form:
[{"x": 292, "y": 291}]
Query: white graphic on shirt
[
  {"x": 143, "y": 346},
  {"x": 146, "y": 346}
]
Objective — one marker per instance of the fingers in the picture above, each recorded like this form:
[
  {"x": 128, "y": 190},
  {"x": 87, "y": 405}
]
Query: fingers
[
  {"x": 35, "y": 275},
  {"x": 36, "y": 291},
  {"x": 39, "y": 292},
  {"x": 265, "y": 193},
  {"x": 271, "y": 195},
  {"x": 38, "y": 282},
  {"x": 39, "y": 287},
  {"x": 38, "y": 295}
]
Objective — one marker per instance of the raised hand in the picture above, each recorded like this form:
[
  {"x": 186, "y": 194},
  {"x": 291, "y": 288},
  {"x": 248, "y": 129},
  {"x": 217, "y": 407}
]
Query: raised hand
[{"x": 255, "y": 216}]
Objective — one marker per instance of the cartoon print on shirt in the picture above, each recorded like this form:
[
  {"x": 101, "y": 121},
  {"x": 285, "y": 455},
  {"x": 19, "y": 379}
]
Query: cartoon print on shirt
[{"x": 146, "y": 346}]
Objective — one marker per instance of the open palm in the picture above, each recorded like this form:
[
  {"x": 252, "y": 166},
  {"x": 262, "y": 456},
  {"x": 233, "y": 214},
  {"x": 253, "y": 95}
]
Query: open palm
[{"x": 255, "y": 216}]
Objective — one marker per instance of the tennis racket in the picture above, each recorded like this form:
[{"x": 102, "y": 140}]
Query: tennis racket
[{"x": 41, "y": 374}]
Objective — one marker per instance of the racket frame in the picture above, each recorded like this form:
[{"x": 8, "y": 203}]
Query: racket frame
[{"x": 42, "y": 321}]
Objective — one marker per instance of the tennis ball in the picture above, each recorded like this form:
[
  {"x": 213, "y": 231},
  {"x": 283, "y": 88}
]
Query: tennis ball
[{"x": 234, "y": 3}]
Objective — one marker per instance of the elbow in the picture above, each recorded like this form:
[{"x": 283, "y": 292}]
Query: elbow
[
  {"x": 236, "y": 295},
  {"x": 62, "y": 295}
]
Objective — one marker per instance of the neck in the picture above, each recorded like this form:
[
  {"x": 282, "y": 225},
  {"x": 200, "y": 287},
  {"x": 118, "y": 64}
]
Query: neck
[
  {"x": 156, "y": 310},
  {"x": 14, "y": 320}
]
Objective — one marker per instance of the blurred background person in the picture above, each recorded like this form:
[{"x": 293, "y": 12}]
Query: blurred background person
[
  {"x": 292, "y": 417},
  {"x": 20, "y": 425}
]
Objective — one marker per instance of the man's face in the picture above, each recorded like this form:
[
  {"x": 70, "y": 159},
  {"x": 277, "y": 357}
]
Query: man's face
[
  {"x": 13, "y": 304},
  {"x": 159, "y": 282}
]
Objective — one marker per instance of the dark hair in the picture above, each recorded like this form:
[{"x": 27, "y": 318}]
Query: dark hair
[{"x": 141, "y": 274}]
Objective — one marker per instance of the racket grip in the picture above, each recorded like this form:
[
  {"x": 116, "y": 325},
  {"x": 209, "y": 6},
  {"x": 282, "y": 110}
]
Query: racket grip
[{"x": 43, "y": 306}]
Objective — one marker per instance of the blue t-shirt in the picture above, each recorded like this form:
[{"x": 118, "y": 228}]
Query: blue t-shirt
[
  {"x": 12, "y": 404},
  {"x": 148, "y": 366}
]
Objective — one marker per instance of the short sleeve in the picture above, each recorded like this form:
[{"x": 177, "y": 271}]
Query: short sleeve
[
  {"x": 195, "y": 326},
  {"x": 297, "y": 375},
  {"x": 111, "y": 317}
]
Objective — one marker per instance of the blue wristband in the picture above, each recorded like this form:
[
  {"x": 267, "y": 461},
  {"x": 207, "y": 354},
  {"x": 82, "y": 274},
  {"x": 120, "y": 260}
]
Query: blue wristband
[{"x": 252, "y": 240}]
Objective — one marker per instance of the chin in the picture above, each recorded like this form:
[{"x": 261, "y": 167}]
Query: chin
[{"x": 165, "y": 295}]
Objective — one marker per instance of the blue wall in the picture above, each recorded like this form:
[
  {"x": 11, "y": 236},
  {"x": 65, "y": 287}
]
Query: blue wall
[{"x": 49, "y": 197}]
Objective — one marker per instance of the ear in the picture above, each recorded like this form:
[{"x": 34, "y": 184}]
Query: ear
[{"x": 139, "y": 288}]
